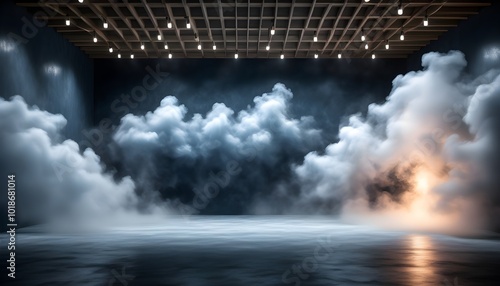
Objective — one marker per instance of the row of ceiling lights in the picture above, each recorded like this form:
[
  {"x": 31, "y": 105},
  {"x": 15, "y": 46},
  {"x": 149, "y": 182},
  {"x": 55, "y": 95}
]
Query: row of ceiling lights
[{"x": 272, "y": 32}]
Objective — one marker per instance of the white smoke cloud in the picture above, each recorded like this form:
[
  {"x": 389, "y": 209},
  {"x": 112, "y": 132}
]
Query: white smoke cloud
[
  {"x": 54, "y": 179},
  {"x": 422, "y": 159}
]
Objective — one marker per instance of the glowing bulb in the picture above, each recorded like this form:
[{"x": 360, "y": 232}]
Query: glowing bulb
[
  {"x": 188, "y": 24},
  {"x": 142, "y": 46},
  {"x": 366, "y": 46},
  {"x": 159, "y": 37},
  {"x": 68, "y": 22},
  {"x": 105, "y": 24},
  {"x": 426, "y": 21},
  {"x": 387, "y": 46},
  {"x": 166, "y": 47},
  {"x": 169, "y": 24},
  {"x": 315, "y": 38},
  {"x": 110, "y": 49},
  {"x": 402, "y": 37},
  {"x": 367, "y": 1},
  {"x": 339, "y": 55},
  {"x": 282, "y": 56},
  {"x": 131, "y": 56},
  {"x": 95, "y": 39},
  {"x": 272, "y": 31},
  {"x": 119, "y": 55},
  {"x": 363, "y": 37},
  {"x": 170, "y": 56},
  {"x": 315, "y": 56},
  {"x": 268, "y": 47},
  {"x": 199, "y": 46},
  {"x": 400, "y": 10},
  {"x": 373, "y": 56},
  {"x": 236, "y": 55},
  {"x": 81, "y": 1},
  {"x": 214, "y": 47}
]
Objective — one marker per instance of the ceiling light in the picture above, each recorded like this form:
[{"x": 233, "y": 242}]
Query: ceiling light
[
  {"x": 273, "y": 31},
  {"x": 366, "y": 46},
  {"x": 81, "y": 1},
  {"x": 166, "y": 46},
  {"x": 169, "y": 23},
  {"x": 110, "y": 49},
  {"x": 142, "y": 46},
  {"x": 68, "y": 22},
  {"x": 214, "y": 47},
  {"x": 315, "y": 56},
  {"x": 131, "y": 56},
  {"x": 373, "y": 56},
  {"x": 282, "y": 56},
  {"x": 367, "y": 1},
  {"x": 426, "y": 21},
  {"x": 95, "y": 38},
  {"x": 199, "y": 46},
  {"x": 339, "y": 56},
  {"x": 159, "y": 37},
  {"x": 400, "y": 9},
  {"x": 386, "y": 45},
  {"x": 188, "y": 24},
  {"x": 236, "y": 55},
  {"x": 268, "y": 47},
  {"x": 119, "y": 55},
  {"x": 105, "y": 24},
  {"x": 170, "y": 56},
  {"x": 402, "y": 36},
  {"x": 363, "y": 37},
  {"x": 315, "y": 38}
]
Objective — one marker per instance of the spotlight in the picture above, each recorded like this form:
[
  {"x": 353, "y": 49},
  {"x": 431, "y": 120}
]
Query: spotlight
[
  {"x": 119, "y": 55},
  {"x": 214, "y": 47},
  {"x": 282, "y": 56},
  {"x": 315, "y": 38},
  {"x": 315, "y": 56},
  {"x": 387, "y": 45},
  {"x": 402, "y": 36},
  {"x": 188, "y": 24},
  {"x": 366, "y": 46},
  {"x": 426, "y": 21},
  {"x": 105, "y": 24},
  {"x": 373, "y": 56},
  {"x": 339, "y": 56},
  {"x": 68, "y": 22},
  {"x": 142, "y": 46},
  {"x": 110, "y": 50},
  {"x": 166, "y": 46},
  {"x": 273, "y": 31},
  {"x": 169, "y": 23},
  {"x": 268, "y": 47},
  {"x": 199, "y": 46},
  {"x": 131, "y": 56},
  {"x": 159, "y": 37},
  {"x": 236, "y": 55},
  {"x": 170, "y": 56}
]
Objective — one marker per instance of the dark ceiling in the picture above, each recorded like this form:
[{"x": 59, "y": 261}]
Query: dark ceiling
[{"x": 244, "y": 27}]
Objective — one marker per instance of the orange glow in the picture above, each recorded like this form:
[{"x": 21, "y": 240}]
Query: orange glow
[{"x": 420, "y": 259}]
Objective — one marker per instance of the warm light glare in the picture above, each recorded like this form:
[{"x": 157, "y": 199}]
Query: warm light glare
[
  {"x": 236, "y": 55},
  {"x": 268, "y": 47},
  {"x": 81, "y": 1},
  {"x": 387, "y": 46},
  {"x": 367, "y": 1},
  {"x": 105, "y": 25},
  {"x": 400, "y": 10},
  {"x": 142, "y": 46},
  {"x": 169, "y": 56},
  {"x": 373, "y": 56},
  {"x": 119, "y": 56},
  {"x": 214, "y": 47},
  {"x": 159, "y": 37},
  {"x": 95, "y": 39},
  {"x": 339, "y": 55},
  {"x": 363, "y": 37},
  {"x": 199, "y": 46},
  {"x": 366, "y": 46},
  {"x": 402, "y": 37},
  {"x": 273, "y": 31},
  {"x": 68, "y": 22},
  {"x": 282, "y": 56},
  {"x": 166, "y": 47},
  {"x": 315, "y": 56},
  {"x": 131, "y": 56},
  {"x": 110, "y": 49}
]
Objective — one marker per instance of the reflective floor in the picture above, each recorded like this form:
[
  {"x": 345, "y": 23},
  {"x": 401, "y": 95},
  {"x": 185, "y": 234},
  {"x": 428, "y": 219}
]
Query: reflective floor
[{"x": 243, "y": 250}]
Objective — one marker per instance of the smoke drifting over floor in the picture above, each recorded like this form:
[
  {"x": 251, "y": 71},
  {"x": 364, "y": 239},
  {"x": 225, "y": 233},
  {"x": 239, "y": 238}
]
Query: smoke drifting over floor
[{"x": 426, "y": 158}]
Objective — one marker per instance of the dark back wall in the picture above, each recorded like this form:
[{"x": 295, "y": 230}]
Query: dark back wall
[{"x": 46, "y": 70}]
